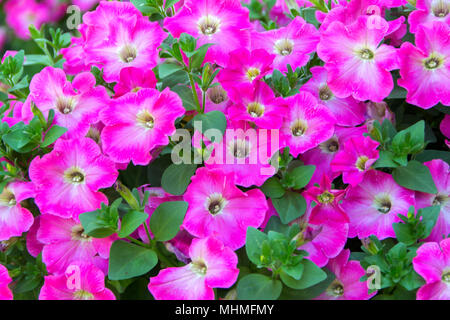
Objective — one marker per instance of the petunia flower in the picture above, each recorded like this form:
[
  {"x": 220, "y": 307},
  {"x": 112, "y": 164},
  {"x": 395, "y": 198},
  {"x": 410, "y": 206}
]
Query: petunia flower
[
  {"x": 134, "y": 79},
  {"x": 218, "y": 208},
  {"x": 81, "y": 281},
  {"x": 67, "y": 179},
  {"x": 5, "y": 280},
  {"x": 428, "y": 11},
  {"x": 213, "y": 265},
  {"x": 137, "y": 123},
  {"x": 374, "y": 205}
]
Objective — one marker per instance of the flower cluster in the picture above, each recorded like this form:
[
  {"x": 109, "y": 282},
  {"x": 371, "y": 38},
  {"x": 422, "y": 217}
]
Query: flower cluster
[{"x": 226, "y": 150}]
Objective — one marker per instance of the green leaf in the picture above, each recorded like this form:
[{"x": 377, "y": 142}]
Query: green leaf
[
  {"x": 211, "y": 120},
  {"x": 52, "y": 135},
  {"x": 309, "y": 293},
  {"x": 415, "y": 176},
  {"x": 127, "y": 260},
  {"x": 40, "y": 59},
  {"x": 167, "y": 218},
  {"x": 166, "y": 69},
  {"x": 186, "y": 96},
  {"x": 96, "y": 227},
  {"x": 404, "y": 233},
  {"x": 429, "y": 217},
  {"x": 130, "y": 222},
  {"x": 291, "y": 206},
  {"x": 385, "y": 160},
  {"x": 311, "y": 276},
  {"x": 253, "y": 244},
  {"x": 301, "y": 176},
  {"x": 295, "y": 272},
  {"x": 428, "y": 155},
  {"x": 16, "y": 139},
  {"x": 258, "y": 287},
  {"x": 273, "y": 188},
  {"x": 410, "y": 140},
  {"x": 412, "y": 281},
  {"x": 177, "y": 177},
  {"x": 199, "y": 55}
]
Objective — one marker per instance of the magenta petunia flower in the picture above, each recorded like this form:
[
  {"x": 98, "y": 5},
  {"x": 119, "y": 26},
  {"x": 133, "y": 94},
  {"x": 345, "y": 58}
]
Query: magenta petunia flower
[
  {"x": 76, "y": 104},
  {"x": 222, "y": 22},
  {"x": 22, "y": 13},
  {"x": 81, "y": 281},
  {"x": 5, "y": 280},
  {"x": 374, "y": 205},
  {"x": 445, "y": 126},
  {"x": 245, "y": 67},
  {"x": 425, "y": 68},
  {"x": 246, "y": 152},
  {"x": 65, "y": 242},
  {"x": 322, "y": 238},
  {"x": 347, "y": 111},
  {"x": 218, "y": 208},
  {"x": 134, "y": 79},
  {"x": 213, "y": 266},
  {"x": 307, "y": 123},
  {"x": 139, "y": 122},
  {"x": 126, "y": 40},
  {"x": 34, "y": 246},
  {"x": 14, "y": 219},
  {"x": 291, "y": 44},
  {"x": 322, "y": 155},
  {"x": 441, "y": 175},
  {"x": 346, "y": 285},
  {"x": 432, "y": 262},
  {"x": 357, "y": 156},
  {"x": 428, "y": 11},
  {"x": 257, "y": 104},
  {"x": 67, "y": 179},
  {"x": 356, "y": 64}
]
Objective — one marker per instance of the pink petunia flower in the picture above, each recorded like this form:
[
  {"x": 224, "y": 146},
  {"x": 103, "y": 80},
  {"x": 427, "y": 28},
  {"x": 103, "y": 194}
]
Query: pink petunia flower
[
  {"x": 218, "y": 208},
  {"x": 76, "y": 104},
  {"x": 244, "y": 68},
  {"x": 322, "y": 155},
  {"x": 440, "y": 172},
  {"x": 307, "y": 123},
  {"x": 346, "y": 286},
  {"x": 257, "y": 104},
  {"x": 81, "y": 281},
  {"x": 134, "y": 79},
  {"x": 246, "y": 152},
  {"x": 5, "y": 280},
  {"x": 357, "y": 156},
  {"x": 222, "y": 22},
  {"x": 428, "y": 11},
  {"x": 432, "y": 262},
  {"x": 374, "y": 205},
  {"x": 347, "y": 111},
  {"x": 445, "y": 128},
  {"x": 291, "y": 44},
  {"x": 14, "y": 219},
  {"x": 327, "y": 202},
  {"x": 34, "y": 246},
  {"x": 67, "y": 179},
  {"x": 356, "y": 64},
  {"x": 65, "y": 243},
  {"x": 213, "y": 266},
  {"x": 22, "y": 13},
  {"x": 139, "y": 122},
  {"x": 425, "y": 68}
]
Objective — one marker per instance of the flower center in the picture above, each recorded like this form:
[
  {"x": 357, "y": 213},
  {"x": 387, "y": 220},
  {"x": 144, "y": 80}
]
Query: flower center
[
  {"x": 330, "y": 146},
  {"x": 361, "y": 163},
  {"x": 7, "y": 198},
  {"x": 336, "y": 289},
  {"x": 440, "y": 9},
  {"x": 383, "y": 204},
  {"x": 74, "y": 175},
  {"x": 199, "y": 267},
  {"x": 215, "y": 203},
  {"x": 284, "y": 47},
  {"x": 145, "y": 119},
  {"x": 298, "y": 128},
  {"x": 240, "y": 148},
  {"x": 446, "y": 277},
  {"x": 83, "y": 295},
  {"x": 326, "y": 197},
  {"x": 440, "y": 199},
  {"x": 255, "y": 109},
  {"x": 128, "y": 53},
  {"x": 432, "y": 63},
  {"x": 366, "y": 54},
  {"x": 252, "y": 73},
  {"x": 217, "y": 95},
  {"x": 78, "y": 233},
  {"x": 65, "y": 105},
  {"x": 325, "y": 93},
  {"x": 209, "y": 25}
]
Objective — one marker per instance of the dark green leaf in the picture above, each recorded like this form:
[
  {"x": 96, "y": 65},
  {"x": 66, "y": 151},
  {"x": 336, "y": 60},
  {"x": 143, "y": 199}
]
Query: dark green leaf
[
  {"x": 291, "y": 206},
  {"x": 415, "y": 176},
  {"x": 177, "y": 177},
  {"x": 167, "y": 218},
  {"x": 258, "y": 287}
]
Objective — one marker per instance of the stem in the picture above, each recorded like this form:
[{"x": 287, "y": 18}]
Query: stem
[
  {"x": 203, "y": 101},
  {"x": 139, "y": 243},
  {"x": 197, "y": 101}
]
